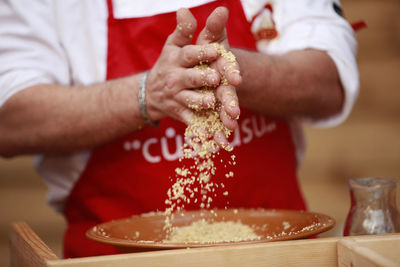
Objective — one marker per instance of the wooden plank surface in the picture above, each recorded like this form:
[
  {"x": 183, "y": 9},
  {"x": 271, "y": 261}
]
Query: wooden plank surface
[
  {"x": 27, "y": 249},
  {"x": 317, "y": 252},
  {"x": 386, "y": 245},
  {"x": 352, "y": 254}
]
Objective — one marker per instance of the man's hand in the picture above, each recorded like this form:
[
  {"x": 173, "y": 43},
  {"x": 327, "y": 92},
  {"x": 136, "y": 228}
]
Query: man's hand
[
  {"x": 215, "y": 32},
  {"x": 171, "y": 80}
]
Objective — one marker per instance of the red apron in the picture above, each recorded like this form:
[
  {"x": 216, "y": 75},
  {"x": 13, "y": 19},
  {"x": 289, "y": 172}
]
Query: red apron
[{"x": 132, "y": 175}]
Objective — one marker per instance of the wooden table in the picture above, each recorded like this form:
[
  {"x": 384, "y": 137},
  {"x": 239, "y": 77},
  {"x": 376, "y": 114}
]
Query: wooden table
[{"x": 27, "y": 249}]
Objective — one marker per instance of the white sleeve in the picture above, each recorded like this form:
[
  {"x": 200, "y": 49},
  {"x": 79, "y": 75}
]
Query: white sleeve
[
  {"x": 303, "y": 24},
  {"x": 30, "y": 52}
]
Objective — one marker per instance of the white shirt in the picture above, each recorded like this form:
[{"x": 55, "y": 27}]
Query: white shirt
[{"x": 65, "y": 42}]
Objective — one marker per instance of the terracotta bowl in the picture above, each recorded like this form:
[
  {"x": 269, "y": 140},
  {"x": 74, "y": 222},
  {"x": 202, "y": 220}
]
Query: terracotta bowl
[{"x": 145, "y": 232}]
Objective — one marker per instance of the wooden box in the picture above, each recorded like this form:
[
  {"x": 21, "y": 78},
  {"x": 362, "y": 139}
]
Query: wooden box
[{"x": 27, "y": 249}]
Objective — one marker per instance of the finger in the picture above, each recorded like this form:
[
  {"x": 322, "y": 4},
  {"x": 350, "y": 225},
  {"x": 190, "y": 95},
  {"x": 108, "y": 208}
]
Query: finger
[
  {"x": 215, "y": 26},
  {"x": 197, "y": 131},
  {"x": 227, "y": 120},
  {"x": 186, "y": 116},
  {"x": 185, "y": 27},
  {"x": 179, "y": 112},
  {"x": 228, "y": 69},
  {"x": 196, "y": 100},
  {"x": 230, "y": 110},
  {"x": 196, "y": 78},
  {"x": 192, "y": 55},
  {"x": 221, "y": 140}
]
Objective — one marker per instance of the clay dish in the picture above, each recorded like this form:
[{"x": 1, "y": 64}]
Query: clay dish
[{"x": 145, "y": 232}]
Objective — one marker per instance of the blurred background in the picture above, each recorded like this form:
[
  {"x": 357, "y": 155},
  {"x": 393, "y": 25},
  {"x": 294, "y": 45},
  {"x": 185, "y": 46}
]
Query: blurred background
[{"x": 367, "y": 144}]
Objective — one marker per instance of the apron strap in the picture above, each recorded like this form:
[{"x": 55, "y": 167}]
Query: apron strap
[{"x": 110, "y": 10}]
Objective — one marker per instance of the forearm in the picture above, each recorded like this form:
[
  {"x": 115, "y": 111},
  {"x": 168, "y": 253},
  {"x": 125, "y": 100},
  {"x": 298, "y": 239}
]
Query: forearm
[
  {"x": 60, "y": 119},
  {"x": 297, "y": 84}
]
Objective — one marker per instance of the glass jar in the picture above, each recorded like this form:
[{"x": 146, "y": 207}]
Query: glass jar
[{"x": 373, "y": 207}]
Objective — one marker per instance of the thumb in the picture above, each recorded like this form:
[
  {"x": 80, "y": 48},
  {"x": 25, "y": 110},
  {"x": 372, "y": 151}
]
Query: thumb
[{"x": 185, "y": 27}]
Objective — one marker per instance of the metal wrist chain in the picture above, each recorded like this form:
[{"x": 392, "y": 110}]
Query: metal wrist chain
[{"x": 142, "y": 102}]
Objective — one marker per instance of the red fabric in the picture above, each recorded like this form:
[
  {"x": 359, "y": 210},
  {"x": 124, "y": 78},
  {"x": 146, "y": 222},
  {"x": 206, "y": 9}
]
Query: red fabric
[
  {"x": 359, "y": 25},
  {"x": 118, "y": 180}
]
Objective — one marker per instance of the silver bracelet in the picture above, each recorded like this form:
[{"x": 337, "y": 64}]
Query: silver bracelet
[{"x": 142, "y": 101}]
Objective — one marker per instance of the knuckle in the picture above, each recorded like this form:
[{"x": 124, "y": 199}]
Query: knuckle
[
  {"x": 187, "y": 57},
  {"x": 192, "y": 80},
  {"x": 171, "y": 57},
  {"x": 202, "y": 53},
  {"x": 169, "y": 39},
  {"x": 212, "y": 51}
]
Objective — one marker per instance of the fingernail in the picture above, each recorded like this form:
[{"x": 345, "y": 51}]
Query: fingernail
[{"x": 233, "y": 104}]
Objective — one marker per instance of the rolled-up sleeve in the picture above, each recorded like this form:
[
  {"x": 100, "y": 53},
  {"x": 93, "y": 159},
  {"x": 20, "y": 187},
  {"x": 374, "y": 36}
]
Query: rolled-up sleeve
[
  {"x": 314, "y": 24},
  {"x": 30, "y": 51}
]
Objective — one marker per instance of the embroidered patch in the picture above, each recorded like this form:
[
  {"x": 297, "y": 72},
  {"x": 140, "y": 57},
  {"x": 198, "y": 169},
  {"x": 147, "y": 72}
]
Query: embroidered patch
[
  {"x": 263, "y": 25},
  {"x": 267, "y": 34}
]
